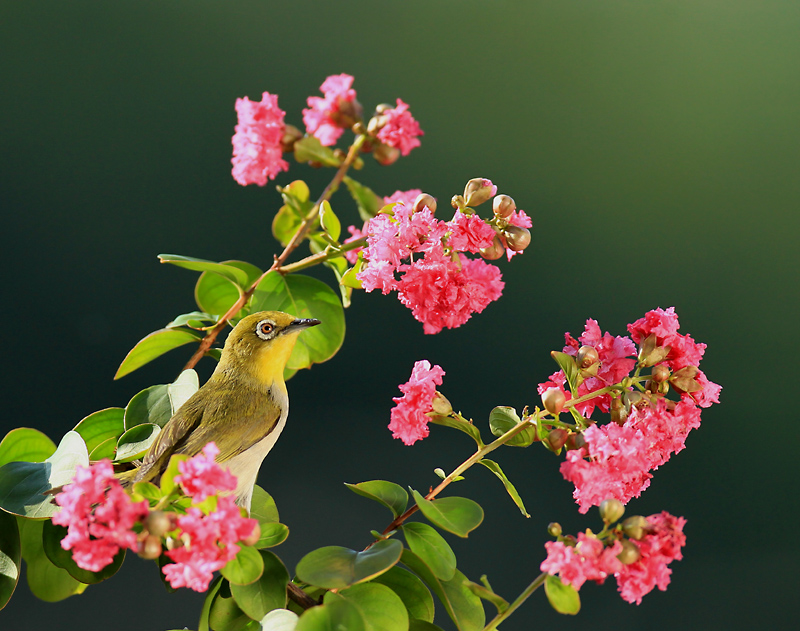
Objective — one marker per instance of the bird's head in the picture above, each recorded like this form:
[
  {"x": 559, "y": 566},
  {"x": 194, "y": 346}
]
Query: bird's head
[{"x": 261, "y": 343}]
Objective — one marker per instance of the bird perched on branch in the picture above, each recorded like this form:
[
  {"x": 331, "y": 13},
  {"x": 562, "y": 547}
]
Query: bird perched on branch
[{"x": 242, "y": 407}]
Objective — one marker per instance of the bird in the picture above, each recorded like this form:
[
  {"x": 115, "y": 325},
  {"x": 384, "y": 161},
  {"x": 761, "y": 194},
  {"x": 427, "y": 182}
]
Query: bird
[{"x": 242, "y": 408}]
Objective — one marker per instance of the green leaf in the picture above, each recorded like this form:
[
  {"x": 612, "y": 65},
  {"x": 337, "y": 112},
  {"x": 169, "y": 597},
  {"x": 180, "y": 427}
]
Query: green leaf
[
  {"x": 148, "y": 491},
  {"x": 334, "y": 567},
  {"x": 263, "y": 506},
  {"x": 391, "y": 495},
  {"x": 151, "y": 405},
  {"x": 280, "y": 620},
  {"x": 193, "y": 319},
  {"x": 46, "y": 581},
  {"x": 309, "y": 149},
  {"x": 485, "y": 592},
  {"x": 337, "y": 614},
  {"x": 260, "y": 597},
  {"x": 23, "y": 484},
  {"x": 272, "y": 535},
  {"x": 503, "y": 419},
  {"x": 379, "y": 606},
  {"x": 100, "y": 426},
  {"x": 285, "y": 223},
  {"x": 463, "y": 607},
  {"x": 296, "y": 193},
  {"x": 106, "y": 449},
  {"x": 247, "y": 566},
  {"x": 25, "y": 445},
  {"x": 52, "y": 536},
  {"x": 349, "y": 278},
  {"x": 304, "y": 297},
  {"x": 329, "y": 221},
  {"x": 225, "y": 615},
  {"x": 167, "y": 482},
  {"x": 458, "y": 515},
  {"x": 411, "y": 590},
  {"x": 422, "y": 625},
  {"x": 212, "y": 592},
  {"x": 460, "y": 424},
  {"x": 10, "y": 556},
  {"x": 182, "y": 389},
  {"x": 215, "y": 294},
  {"x": 431, "y": 547},
  {"x": 510, "y": 488},
  {"x": 367, "y": 202},
  {"x": 233, "y": 274},
  {"x": 569, "y": 366},
  {"x": 155, "y": 345},
  {"x": 563, "y": 598},
  {"x": 134, "y": 443}
]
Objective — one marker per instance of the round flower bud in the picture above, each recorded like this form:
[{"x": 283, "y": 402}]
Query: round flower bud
[
  {"x": 587, "y": 355},
  {"x": 494, "y": 251},
  {"x": 635, "y": 527},
  {"x": 441, "y": 405},
  {"x": 380, "y": 109},
  {"x": 253, "y": 537},
  {"x": 660, "y": 373},
  {"x": 630, "y": 553},
  {"x": 576, "y": 441},
  {"x": 150, "y": 547},
  {"x": 554, "y": 400},
  {"x": 157, "y": 523},
  {"x": 423, "y": 200},
  {"x": 611, "y": 510},
  {"x": 503, "y": 206},
  {"x": 554, "y": 529},
  {"x": 518, "y": 238},
  {"x": 478, "y": 190},
  {"x": 376, "y": 123},
  {"x": 386, "y": 155},
  {"x": 618, "y": 411},
  {"x": 349, "y": 113},
  {"x": 456, "y": 201},
  {"x": 290, "y": 136},
  {"x": 557, "y": 438}
]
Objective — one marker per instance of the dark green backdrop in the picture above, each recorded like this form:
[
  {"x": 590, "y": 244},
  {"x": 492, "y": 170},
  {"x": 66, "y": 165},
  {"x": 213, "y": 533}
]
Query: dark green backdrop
[{"x": 656, "y": 145}]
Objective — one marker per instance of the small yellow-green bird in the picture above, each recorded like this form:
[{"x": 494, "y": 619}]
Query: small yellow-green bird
[{"x": 242, "y": 407}]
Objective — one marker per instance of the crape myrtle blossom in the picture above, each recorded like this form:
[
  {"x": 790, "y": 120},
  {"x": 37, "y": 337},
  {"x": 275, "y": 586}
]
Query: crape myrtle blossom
[
  {"x": 257, "y": 140},
  {"x": 201, "y": 476},
  {"x": 588, "y": 560},
  {"x": 400, "y": 130},
  {"x": 409, "y": 422},
  {"x": 520, "y": 219},
  {"x": 99, "y": 516},
  {"x": 324, "y": 117}
]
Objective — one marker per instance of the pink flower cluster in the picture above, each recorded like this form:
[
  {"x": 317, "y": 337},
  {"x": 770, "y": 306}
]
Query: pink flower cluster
[
  {"x": 211, "y": 539},
  {"x": 591, "y": 560},
  {"x": 617, "y": 460},
  {"x": 99, "y": 516},
  {"x": 257, "y": 153},
  {"x": 441, "y": 286},
  {"x": 322, "y": 118},
  {"x": 409, "y": 421},
  {"x": 401, "y": 130}
]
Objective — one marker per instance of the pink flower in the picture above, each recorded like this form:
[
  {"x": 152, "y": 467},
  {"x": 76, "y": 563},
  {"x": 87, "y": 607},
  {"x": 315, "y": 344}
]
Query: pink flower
[
  {"x": 324, "y": 117},
  {"x": 409, "y": 422},
  {"x": 99, "y": 516},
  {"x": 257, "y": 142},
  {"x": 470, "y": 233},
  {"x": 658, "y": 549},
  {"x": 355, "y": 235},
  {"x": 403, "y": 197},
  {"x": 518, "y": 218},
  {"x": 589, "y": 560},
  {"x": 201, "y": 476},
  {"x": 401, "y": 130},
  {"x": 665, "y": 428},
  {"x": 209, "y": 542}
]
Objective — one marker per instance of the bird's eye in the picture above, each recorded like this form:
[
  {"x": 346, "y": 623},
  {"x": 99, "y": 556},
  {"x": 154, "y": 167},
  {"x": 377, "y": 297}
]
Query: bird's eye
[{"x": 264, "y": 329}]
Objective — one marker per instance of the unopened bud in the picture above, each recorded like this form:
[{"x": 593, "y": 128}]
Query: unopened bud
[
  {"x": 157, "y": 523},
  {"x": 660, "y": 373},
  {"x": 424, "y": 200},
  {"x": 359, "y": 128},
  {"x": 611, "y": 510},
  {"x": 150, "y": 547},
  {"x": 380, "y": 109},
  {"x": 290, "y": 136},
  {"x": 619, "y": 412},
  {"x": 457, "y": 202},
  {"x": 496, "y": 250},
  {"x": 576, "y": 441},
  {"x": 518, "y": 238},
  {"x": 554, "y": 400},
  {"x": 503, "y": 206},
  {"x": 253, "y": 537},
  {"x": 386, "y": 155},
  {"x": 635, "y": 527},
  {"x": 554, "y": 529},
  {"x": 557, "y": 438},
  {"x": 630, "y": 553},
  {"x": 348, "y": 114},
  {"x": 441, "y": 405},
  {"x": 587, "y": 355},
  {"x": 478, "y": 190},
  {"x": 376, "y": 123}
]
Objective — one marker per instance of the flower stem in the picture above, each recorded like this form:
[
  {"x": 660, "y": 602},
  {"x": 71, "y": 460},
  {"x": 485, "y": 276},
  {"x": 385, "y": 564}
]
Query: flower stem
[
  {"x": 321, "y": 257},
  {"x": 537, "y": 582}
]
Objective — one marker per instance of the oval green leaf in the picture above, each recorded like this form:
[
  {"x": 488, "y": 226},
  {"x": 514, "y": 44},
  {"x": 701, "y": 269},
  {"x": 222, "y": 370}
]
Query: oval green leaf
[
  {"x": 337, "y": 614},
  {"x": 335, "y": 567},
  {"x": 46, "y": 581},
  {"x": 329, "y": 221},
  {"x": 260, "y": 597},
  {"x": 215, "y": 294},
  {"x": 310, "y": 149},
  {"x": 286, "y": 222},
  {"x": 24, "y": 486},
  {"x": 304, "y": 297},
  {"x": 233, "y": 274},
  {"x": 106, "y": 449},
  {"x": 246, "y": 567},
  {"x": 411, "y": 590},
  {"x": 98, "y": 427},
  {"x": 225, "y": 615},
  {"x": 367, "y": 202},
  {"x": 263, "y": 506},
  {"x": 193, "y": 319},
  {"x": 155, "y": 345},
  {"x": 151, "y": 405},
  {"x": 280, "y": 620},
  {"x": 431, "y": 547},
  {"x": 182, "y": 389},
  {"x": 272, "y": 534},
  {"x": 134, "y": 443},
  {"x": 422, "y": 625},
  {"x": 379, "y": 606},
  {"x": 25, "y": 445},
  {"x": 52, "y": 535},
  {"x": 391, "y": 495},
  {"x": 503, "y": 419},
  {"x": 10, "y": 556},
  {"x": 563, "y": 598},
  {"x": 458, "y": 515}
]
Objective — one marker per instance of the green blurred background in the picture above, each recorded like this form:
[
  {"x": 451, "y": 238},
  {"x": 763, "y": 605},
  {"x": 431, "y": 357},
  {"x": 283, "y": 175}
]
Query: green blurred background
[{"x": 656, "y": 145}]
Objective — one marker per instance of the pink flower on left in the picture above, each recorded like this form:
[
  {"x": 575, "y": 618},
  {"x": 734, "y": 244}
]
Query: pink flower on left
[
  {"x": 99, "y": 516},
  {"x": 257, "y": 153},
  {"x": 409, "y": 421}
]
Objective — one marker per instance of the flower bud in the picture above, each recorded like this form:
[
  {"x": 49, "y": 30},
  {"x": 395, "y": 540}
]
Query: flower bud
[
  {"x": 618, "y": 411},
  {"x": 478, "y": 190},
  {"x": 635, "y": 527},
  {"x": 503, "y": 206},
  {"x": 554, "y": 529},
  {"x": 576, "y": 441},
  {"x": 380, "y": 109},
  {"x": 630, "y": 553},
  {"x": 423, "y": 200},
  {"x": 385, "y": 155},
  {"x": 348, "y": 114},
  {"x": 611, "y": 510},
  {"x": 441, "y": 405},
  {"x": 290, "y": 136},
  {"x": 359, "y": 128},
  {"x": 375, "y": 124},
  {"x": 554, "y": 400},
  {"x": 587, "y": 355},
  {"x": 157, "y": 523},
  {"x": 457, "y": 202},
  {"x": 660, "y": 373},
  {"x": 253, "y": 537},
  {"x": 518, "y": 238},
  {"x": 494, "y": 251},
  {"x": 557, "y": 438},
  {"x": 150, "y": 548}
]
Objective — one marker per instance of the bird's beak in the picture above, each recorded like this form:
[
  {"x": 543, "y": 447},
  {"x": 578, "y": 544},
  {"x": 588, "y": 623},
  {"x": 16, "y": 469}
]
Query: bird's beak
[{"x": 301, "y": 323}]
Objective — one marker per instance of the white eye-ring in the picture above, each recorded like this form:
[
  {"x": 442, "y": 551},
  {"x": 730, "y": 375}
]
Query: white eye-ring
[{"x": 265, "y": 329}]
